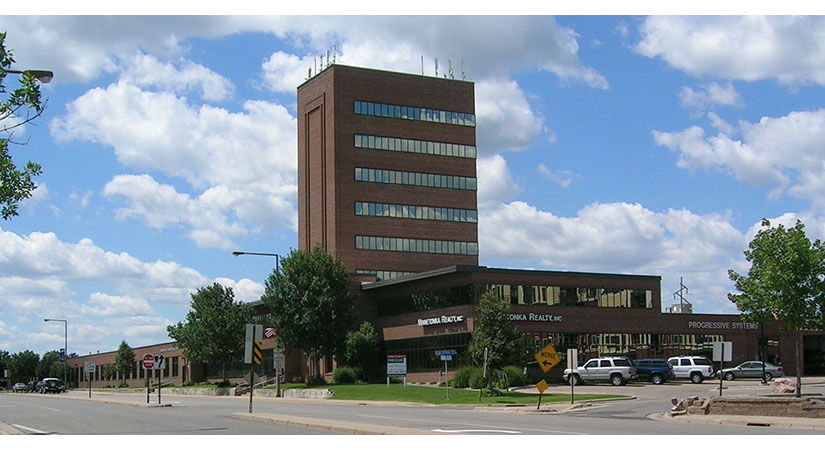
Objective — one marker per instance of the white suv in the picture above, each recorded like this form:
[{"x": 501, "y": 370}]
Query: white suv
[
  {"x": 693, "y": 368},
  {"x": 616, "y": 370}
]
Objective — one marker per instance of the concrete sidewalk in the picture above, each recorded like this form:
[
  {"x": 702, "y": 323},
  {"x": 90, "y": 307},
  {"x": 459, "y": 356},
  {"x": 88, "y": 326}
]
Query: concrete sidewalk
[{"x": 799, "y": 423}]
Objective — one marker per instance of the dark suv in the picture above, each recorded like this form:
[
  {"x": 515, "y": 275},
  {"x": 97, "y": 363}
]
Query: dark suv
[{"x": 656, "y": 370}]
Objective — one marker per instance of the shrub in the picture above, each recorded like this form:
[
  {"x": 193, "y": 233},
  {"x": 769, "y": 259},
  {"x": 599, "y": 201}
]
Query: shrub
[
  {"x": 462, "y": 376},
  {"x": 515, "y": 376},
  {"x": 188, "y": 383},
  {"x": 316, "y": 381},
  {"x": 477, "y": 380},
  {"x": 224, "y": 384},
  {"x": 123, "y": 385},
  {"x": 346, "y": 375}
]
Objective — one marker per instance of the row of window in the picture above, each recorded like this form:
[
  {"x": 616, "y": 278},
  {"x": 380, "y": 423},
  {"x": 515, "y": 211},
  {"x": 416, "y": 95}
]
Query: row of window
[
  {"x": 414, "y": 113},
  {"x": 557, "y": 295},
  {"x": 415, "y": 179},
  {"x": 107, "y": 372},
  {"x": 415, "y": 212},
  {"x": 414, "y": 146},
  {"x": 383, "y": 274},
  {"x": 392, "y": 244}
]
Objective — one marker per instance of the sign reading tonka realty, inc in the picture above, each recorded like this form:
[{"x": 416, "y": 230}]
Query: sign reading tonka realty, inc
[
  {"x": 533, "y": 317},
  {"x": 441, "y": 320}
]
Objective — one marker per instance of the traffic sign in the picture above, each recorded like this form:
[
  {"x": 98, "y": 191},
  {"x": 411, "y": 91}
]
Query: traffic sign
[
  {"x": 446, "y": 357},
  {"x": 148, "y": 361},
  {"x": 160, "y": 361},
  {"x": 542, "y": 386},
  {"x": 89, "y": 367},
  {"x": 547, "y": 357},
  {"x": 257, "y": 353},
  {"x": 278, "y": 358},
  {"x": 254, "y": 333},
  {"x": 444, "y": 352}
]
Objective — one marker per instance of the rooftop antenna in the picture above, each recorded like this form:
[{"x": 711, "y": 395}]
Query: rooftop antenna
[
  {"x": 463, "y": 77},
  {"x": 333, "y": 53},
  {"x": 309, "y": 73},
  {"x": 436, "y": 67},
  {"x": 450, "y": 67},
  {"x": 327, "y": 57},
  {"x": 322, "y": 61},
  {"x": 680, "y": 296},
  {"x": 315, "y": 61},
  {"x": 422, "y": 64}
]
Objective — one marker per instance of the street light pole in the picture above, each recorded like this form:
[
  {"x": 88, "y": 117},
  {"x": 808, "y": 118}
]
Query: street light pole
[{"x": 65, "y": 349}]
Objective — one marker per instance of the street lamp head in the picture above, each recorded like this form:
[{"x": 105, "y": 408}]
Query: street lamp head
[
  {"x": 236, "y": 254},
  {"x": 44, "y": 76}
]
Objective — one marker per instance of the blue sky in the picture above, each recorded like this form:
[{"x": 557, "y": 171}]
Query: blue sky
[{"x": 627, "y": 144}]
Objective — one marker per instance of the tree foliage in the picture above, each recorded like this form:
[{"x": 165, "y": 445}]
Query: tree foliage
[
  {"x": 23, "y": 365},
  {"x": 362, "y": 349},
  {"x": 18, "y": 107},
  {"x": 493, "y": 330},
  {"x": 125, "y": 360},
  {"x": 215, "y": 326},
  {"x": 49, "y": 364},
  {"x": 310, "y": 303},
  {"x": 786, "y": 280}
]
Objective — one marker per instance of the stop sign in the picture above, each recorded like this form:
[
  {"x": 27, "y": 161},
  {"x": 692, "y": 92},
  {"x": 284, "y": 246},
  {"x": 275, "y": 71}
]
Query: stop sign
[{"x": 148, "y": 362}]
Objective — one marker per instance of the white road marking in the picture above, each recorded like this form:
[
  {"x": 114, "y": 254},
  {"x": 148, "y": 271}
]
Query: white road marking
[
  {"x": 475, "y": 424},
  {"x": 30, "y": 430},
  {"x": 439, "y": 430},
  {"x": 46, "y": 407}
]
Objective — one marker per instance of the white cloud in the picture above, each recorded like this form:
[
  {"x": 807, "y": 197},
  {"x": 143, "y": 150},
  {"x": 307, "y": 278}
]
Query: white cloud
[
  {"x": 506, "y": 121},
  {"x": 148, "y": 71},
  {"x": 790, "y": 49},
  {"x": 619, "y": 238},
  {"x": 709, "y": 95},
  {"x": 784, "y": 154},
  {"x": 495, "y": 182},
  {"x": 563, "y": 178}
]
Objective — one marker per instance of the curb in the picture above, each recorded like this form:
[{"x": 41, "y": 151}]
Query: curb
[
  {"x": 332, "y": 426},
  {"x": 6, "y": 429},
  {"x": 749, "y": 421},
  {"x": 112, "y": 401},
  {"x": 552, "y": 408}
]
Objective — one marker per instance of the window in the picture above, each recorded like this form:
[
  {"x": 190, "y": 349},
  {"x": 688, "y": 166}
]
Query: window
[
  {"x": 591, "y": 365},
  {"x": 414, "y": 179},
  {"x": 413, "y": 113},
  {"x": 605, "y": 363},
  {"x": 415, "y": 245}
]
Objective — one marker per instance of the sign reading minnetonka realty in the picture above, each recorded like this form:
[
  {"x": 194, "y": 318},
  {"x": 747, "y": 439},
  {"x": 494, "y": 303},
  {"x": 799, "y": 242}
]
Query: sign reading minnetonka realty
[{"x": 441, "y": 320}]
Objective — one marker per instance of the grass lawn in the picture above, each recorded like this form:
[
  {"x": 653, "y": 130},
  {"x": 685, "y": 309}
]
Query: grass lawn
[{"x": 437, "y": 396}]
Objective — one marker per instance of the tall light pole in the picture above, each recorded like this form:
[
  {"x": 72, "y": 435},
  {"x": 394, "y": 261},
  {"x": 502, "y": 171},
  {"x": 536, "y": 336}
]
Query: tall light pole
[
  {"x": 65, "y": 349},
  {"x": 277, "y": 257}
]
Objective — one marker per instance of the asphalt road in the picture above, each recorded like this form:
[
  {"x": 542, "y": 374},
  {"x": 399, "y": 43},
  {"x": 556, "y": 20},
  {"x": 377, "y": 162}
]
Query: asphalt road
[{"x": 73, "y": 413}]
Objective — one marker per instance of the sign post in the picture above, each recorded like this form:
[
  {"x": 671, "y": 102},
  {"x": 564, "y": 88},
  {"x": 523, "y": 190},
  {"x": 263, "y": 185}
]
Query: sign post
[
  {"x": 89, "y": 369},
  {"x": 278, "y": 361},
  {"x": 722, "y": 351},
  {"x": 572, "y": 363},
  {"x": 541, "y": 386},
  {"x": 160, "y": 363},
  {"x": 252, "y": 353},
  {"x": 446, "y": 355},
  {"x": 148, "y": 362}
]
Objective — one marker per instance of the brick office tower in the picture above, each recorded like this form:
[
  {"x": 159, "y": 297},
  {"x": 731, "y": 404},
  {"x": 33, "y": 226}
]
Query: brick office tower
[{"x": 387, "y": 170}]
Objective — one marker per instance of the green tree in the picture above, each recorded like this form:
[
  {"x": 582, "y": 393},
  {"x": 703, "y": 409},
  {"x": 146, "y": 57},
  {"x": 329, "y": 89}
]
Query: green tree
[
  {"x": 23, "y": 365},
  {"x": 786, "y": 281},
  {"x": 44, "y": 366},
  {"x": 492, "y": 330},
  {"x": 21, "y": 106},
  {"x": 215, "y": 327},
  {"x": 125, "y": 360},
  {"x": 310, "y": 303},
  {"x": 5, "y": 359},
  {"x": 362, "y": 347},
  {"x": 108, "y": 372}
]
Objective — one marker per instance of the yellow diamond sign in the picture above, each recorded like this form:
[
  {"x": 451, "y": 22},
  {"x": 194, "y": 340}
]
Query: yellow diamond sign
[
  {"x": 542, "y": 386},
  {"x": 547, "y": 358}
]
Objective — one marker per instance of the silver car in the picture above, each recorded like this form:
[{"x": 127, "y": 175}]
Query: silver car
[{"x": 752, "y": 369}]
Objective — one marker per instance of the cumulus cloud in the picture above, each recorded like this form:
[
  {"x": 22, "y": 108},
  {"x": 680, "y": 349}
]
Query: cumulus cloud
[
  {"x": 562, "y": 178},
  {"x": 147, "y": 70},
  {"x": 790, "y": 49},
  {"x": 783, "y": 154},
  {"x": 618, "y": 238},
  {"x": 506, "y": 121},
  {"x": 495, "y": 182},
  {"x": 709, "y": 95}
]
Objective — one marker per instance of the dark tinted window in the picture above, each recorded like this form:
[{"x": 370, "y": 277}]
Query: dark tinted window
[
  {"x": 643, "y": 363},
  {"x": 621, "y": 363},
  {"x": 702, "y": 362},
  {"x": 605, "y": 363}
]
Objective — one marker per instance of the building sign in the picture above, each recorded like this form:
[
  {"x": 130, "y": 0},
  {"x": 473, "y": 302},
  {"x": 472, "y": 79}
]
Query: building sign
[
  {"x": 723, "y": 325},
  {"x": 396, "y": 365},
  {"x": 440, "y": 320},
  {"x": 533, "y": 317}
]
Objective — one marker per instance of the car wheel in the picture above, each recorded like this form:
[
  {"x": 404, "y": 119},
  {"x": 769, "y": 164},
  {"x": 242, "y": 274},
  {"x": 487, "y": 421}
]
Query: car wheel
[
  {"x": 768, "y": 376},
  {"x": 617, "y": 380},
  {"x": 657, "y": 378},
  {"x": 729, "y": 376},
  {"x": 696, "y": 378}
]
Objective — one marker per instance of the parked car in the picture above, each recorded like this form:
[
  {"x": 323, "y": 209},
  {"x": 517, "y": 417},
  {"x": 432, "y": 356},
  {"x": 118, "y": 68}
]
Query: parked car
[
  {"x": 752, "y": 369},
  {"x": 30, "y": 386},
  {"x": 617, "y": 370},
  {"x": 50, "y": 385},
  {"x": 657, "y": 371},
  {"x": 18, "y": 387},
  {"x": 693, "y": 368}
]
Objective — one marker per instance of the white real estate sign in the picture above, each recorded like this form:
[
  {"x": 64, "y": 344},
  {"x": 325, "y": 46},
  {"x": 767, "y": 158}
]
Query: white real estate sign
[{"x": 396, "y": 365}]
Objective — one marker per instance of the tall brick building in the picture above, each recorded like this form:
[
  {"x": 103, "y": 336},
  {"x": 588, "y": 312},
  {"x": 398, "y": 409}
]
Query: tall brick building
[{"x": 387, "y": 170}]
